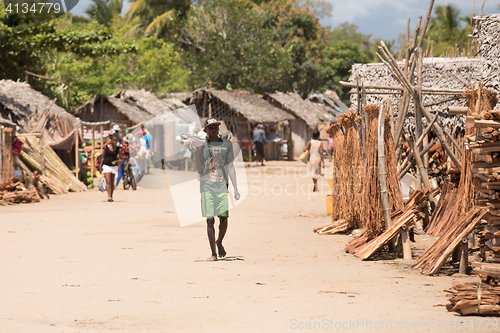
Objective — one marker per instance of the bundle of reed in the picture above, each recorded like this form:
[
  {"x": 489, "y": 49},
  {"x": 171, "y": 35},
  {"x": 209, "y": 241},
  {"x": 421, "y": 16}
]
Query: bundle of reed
[
  {"x": 432, "y": 260},
  {"x": 372, "y": 204},
  {"x": 474, "y": 299},
  {"x": 59, "y": 178},
  {"x": 335, "y": 132},
  {"x": 364, "y": 248},
  {"x": 332, "y": 228},
  {"x": 350, "y": 162},
  {"x": 445, "y": 211}
]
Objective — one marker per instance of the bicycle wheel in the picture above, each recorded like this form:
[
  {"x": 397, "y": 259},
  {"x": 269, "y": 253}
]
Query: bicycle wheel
[{"x": 132, "y": 181}]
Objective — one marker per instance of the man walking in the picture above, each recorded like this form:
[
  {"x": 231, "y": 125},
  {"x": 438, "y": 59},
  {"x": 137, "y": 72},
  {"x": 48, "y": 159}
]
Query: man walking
[
  {"x": 214, "y": 162},
  {"x": 259, "y": 140}
]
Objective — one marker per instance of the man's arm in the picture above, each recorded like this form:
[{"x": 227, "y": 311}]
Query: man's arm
[
  {"x": 198, "y": 162},
  {"x": 232, "y": 175}
]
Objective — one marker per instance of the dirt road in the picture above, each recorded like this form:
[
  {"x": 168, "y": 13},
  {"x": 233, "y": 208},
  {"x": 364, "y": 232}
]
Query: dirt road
[{"x": 76, "y": 263}]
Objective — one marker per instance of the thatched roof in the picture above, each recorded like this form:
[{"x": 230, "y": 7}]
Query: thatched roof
[
  {"x": 18, "y": 101},
  {"x": 443, "y": 73},
  {"x": 295, "y": 105},
  {"x": 244, "y": 103},
  {"x": 147, "y": 101},
  {"x": 487, "y": 32},
  {"x": 129, "y": 109}
]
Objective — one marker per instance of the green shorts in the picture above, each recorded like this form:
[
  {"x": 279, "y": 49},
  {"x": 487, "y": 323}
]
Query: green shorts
[{"x": 214, "y": 204}]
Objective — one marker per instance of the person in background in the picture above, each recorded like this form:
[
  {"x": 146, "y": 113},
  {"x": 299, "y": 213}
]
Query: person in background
[
  {"x": 111, "y": 158},
  {"x": 126, "y": 155},
  {"x": 149, "y": 145},
  {"x": 330, "y": 147},
  {"x": 316, "y": 159},
  {"x": 259, "y": 140}
]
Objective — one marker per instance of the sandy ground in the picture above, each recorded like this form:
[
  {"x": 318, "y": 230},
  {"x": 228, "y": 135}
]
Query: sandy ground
[{"x": 76, "y": 263}]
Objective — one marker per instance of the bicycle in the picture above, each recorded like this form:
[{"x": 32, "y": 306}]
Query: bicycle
[{"x": 129, "y": 175}]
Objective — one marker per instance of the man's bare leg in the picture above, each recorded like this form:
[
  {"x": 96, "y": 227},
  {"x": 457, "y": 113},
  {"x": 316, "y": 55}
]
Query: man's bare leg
[
  {"x": 222, "y": 233},
  {"x": 211, "y": 237}
]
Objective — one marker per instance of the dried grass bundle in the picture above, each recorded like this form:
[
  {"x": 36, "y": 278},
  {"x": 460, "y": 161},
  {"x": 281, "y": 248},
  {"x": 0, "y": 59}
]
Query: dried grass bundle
[
  {"x": 372, "y": 207},
  {"x": 350, "y": 163},
  {"x": 335, "y": 132}
]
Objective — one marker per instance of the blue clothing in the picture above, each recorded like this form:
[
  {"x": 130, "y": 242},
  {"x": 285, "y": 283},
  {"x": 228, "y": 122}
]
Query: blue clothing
[
  {"x": 120, "y": 173},
  {"x": 259, "y": 135},
  {"x": 148, "y": 138}
]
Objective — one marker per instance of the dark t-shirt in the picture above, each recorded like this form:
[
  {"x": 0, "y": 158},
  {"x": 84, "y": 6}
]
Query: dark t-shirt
[{"x": 215, "y": 157}]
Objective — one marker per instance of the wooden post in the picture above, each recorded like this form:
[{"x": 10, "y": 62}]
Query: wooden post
[
  {"x": 418, "y": 113},
  {"x": 399, "y": 75},
  {"x": 204, "y": 105},
  {"x": 93, "y": 170},
  {"x": 290, "y": 141},
  {"x": 77, "y": 154},
  {"x": 1, "y": 154},
  {"x": 384, "y": 194},
  {"x": 249, "y": 143},
  {"x": 423, "y": 173},
  {"x": 102, "y": 137},
  {"x": 405, "y": 238},
  {"x": 464, "y": 256},
  {"x": 40, "y": 139}
]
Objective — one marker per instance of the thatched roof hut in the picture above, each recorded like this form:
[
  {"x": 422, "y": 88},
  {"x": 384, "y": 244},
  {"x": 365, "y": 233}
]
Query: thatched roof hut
[
  {"x": 125, "y": 112},
  {"x": 441, "y": 73},
  {"x": 236, "y": 108},
  {"x": 19, "y": 101},
  {"x": 296, "y": 106},
  {"x": 147, "y": 101}
]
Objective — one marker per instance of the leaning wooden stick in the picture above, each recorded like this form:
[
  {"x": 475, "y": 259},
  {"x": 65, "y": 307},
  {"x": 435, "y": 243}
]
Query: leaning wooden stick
[
  {"x": 399, "y": 75},
  {"x": 384, "y": 195}
]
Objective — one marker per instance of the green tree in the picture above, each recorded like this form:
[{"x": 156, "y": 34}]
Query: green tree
[
  {"x": 298, "y": 31},
  {"x": 226, "y": 43},
  {"x": 445, "y": 29},
  {"x": 159, "y": 16},
  {"x": 336, "y": 63},
  {"x": 104, "y": 11}
]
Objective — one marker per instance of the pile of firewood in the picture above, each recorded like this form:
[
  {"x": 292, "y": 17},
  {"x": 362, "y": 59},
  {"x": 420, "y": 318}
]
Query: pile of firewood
[
  {"x": 488, "y": 243},
  {"x": 474, "y": 299},
  {"x": 14, "y": 192},
  {"x": 486, "y": 148},
  {"x": 332, "y": 228}
]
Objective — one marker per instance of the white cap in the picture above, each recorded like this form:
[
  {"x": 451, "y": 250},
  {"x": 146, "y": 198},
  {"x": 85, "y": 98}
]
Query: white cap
[{"x": 116, "y": 128}]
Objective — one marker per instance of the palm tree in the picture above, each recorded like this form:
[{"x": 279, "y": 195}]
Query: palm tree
[
  {"x": 104, "y": 11},
  {"x": 159, "y": 14},
  {"x": 446, "y": 23}
]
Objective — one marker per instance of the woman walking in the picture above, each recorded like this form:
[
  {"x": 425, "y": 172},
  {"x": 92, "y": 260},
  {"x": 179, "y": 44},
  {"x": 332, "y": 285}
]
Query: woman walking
[
  {"x": 111, "y": 158},
  {"x": 316, "y": 158}
]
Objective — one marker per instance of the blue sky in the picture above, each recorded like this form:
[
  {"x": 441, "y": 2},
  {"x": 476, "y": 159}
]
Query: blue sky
[{"x": 380, "y": 18}]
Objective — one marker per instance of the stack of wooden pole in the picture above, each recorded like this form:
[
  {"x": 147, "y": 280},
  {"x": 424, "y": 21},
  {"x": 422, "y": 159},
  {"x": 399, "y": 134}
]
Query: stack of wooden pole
[
  {"x": 54, "y": 173},
  {"x": 474, "y": 299}
]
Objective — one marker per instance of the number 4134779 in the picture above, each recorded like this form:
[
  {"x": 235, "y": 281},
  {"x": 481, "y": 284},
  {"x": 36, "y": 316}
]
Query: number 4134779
[
  {"x": 477, "y": 323},
  {"x": 35, "y": 8}
]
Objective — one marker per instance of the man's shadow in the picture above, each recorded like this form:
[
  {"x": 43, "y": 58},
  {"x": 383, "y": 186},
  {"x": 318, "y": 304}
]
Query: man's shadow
[{"x": 234, "y": 258}]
